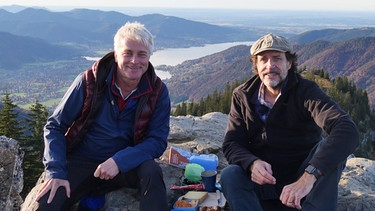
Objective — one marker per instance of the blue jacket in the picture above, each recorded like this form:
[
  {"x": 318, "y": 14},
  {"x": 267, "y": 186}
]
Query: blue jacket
[{"x": 112, "y": 132}]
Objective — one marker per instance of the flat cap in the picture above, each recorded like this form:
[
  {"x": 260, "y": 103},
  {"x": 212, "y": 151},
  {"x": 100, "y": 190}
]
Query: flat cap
[{"x": 270, "y": 42}]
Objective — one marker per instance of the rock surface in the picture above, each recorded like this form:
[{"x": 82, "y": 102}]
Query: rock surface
[
  {"x": 357, "y": 186},
  {"x": 204, "y": 135},
  {"x": 11, "y": 174}
]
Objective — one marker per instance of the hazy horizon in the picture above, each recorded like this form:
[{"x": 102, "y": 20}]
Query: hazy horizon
[
  {"x": 317, "y": 5},
  {"x": 291, "y": 22}
]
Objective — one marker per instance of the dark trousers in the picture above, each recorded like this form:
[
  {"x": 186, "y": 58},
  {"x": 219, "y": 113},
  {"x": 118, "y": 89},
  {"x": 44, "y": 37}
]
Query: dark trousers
[
  {"x": 243, "y": 194},
  {"x": 147, "y": 178}
]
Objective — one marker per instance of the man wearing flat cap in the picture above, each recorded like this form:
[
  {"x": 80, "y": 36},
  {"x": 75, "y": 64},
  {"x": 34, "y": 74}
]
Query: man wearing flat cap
[{"x": 286, "y": 141}]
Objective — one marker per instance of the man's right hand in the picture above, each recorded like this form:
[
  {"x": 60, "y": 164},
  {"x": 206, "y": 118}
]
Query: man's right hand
[
  {"x": 53, "y": 185},
  {"x": 261, "y": 173}
]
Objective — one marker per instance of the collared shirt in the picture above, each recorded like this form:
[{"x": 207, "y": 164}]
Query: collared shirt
[
  {"x": 120, "y": 92},
  {"x": 121, "y": 99},
  {"x": 261, "y": 98},
  {"x": 116, "y": 91},
  {"x": 264, "y": 107}
]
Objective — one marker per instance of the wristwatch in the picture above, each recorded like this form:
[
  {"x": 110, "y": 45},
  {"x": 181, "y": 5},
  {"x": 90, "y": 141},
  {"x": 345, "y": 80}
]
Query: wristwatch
[{"x": 314, "y": 171}]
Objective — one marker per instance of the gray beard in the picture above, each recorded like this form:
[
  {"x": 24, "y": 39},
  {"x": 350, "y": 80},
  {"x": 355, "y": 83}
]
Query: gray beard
[{"x": 274, "y": 84}]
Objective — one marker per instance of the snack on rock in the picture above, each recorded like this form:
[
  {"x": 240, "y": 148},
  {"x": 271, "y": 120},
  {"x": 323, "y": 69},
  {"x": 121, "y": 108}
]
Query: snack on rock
[
  {"x": 196, "y": 195},
  {"x": 184, "y": 203},
  {"x": 212, "y": 208}
]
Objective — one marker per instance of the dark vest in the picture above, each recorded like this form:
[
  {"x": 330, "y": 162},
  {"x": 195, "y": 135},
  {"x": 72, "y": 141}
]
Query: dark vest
[{"x": 95, "y": 88}]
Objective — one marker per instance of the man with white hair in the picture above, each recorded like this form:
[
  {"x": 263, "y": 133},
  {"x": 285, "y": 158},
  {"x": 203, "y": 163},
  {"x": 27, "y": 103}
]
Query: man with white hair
[{"x": 109, "y": 127}]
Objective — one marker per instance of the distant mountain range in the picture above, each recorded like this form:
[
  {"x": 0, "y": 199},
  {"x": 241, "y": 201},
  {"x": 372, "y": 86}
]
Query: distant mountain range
[
  {"x": 38, "y": 35},
  {"x": 95, "y": 28},
  {"x": 354, "y": 58},
  {"x": 34, "y": 36}
]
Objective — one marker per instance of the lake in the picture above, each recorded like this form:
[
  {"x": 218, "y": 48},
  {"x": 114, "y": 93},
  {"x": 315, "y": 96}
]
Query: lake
[{"x": 175, "y": 56}]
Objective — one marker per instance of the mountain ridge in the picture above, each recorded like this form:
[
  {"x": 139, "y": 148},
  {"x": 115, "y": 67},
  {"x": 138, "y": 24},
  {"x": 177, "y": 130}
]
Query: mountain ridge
[
  {"x": 332, "y": 35},
  {"x": 351, "y": 58},
  {"x": 91, "y": 27},
  {"x": 19, "y": 50},
  {"x": 85, "y": 32}
]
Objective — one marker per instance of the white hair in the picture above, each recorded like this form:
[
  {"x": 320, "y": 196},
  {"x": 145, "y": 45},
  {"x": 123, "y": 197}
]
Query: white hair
[{"x": 135, "y": 31}]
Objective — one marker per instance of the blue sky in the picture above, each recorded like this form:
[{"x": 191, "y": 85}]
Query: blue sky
[{"x": 320, "y": 5}]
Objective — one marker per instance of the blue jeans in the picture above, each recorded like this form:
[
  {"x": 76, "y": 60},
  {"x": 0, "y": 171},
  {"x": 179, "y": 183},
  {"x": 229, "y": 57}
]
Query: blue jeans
[
  {"x": 147, "y": 178},
  {"x": 244, "y": 195}
]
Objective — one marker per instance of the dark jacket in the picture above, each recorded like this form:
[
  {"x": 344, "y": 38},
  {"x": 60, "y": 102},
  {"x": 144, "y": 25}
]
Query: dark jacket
[
  {"x": 293, "y": 127},
  {"x": 130, "y": 136}
]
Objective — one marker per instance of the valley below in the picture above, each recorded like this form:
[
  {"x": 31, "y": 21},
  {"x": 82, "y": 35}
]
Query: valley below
[{"x": 195, "y": 55}]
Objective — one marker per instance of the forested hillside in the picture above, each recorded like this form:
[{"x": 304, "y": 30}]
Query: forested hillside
[
  {"x": 195, "y": 79},
  {"x": 16, "y": 51},
  {"x": 353, "y": 58}
]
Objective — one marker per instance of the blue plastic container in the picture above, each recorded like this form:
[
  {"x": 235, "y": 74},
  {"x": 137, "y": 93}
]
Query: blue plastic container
[{"x": 209, "y": 162}]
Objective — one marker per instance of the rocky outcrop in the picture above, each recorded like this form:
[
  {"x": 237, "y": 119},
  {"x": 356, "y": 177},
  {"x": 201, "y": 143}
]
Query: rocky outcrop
[
  {"x": 204, "y": 135},
  {"x": 11, "y": 174},
  {"x": 357, "y": 186}
]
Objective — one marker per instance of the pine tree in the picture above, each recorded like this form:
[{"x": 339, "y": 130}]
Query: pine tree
[
  {"x": 177, "y": 110},
  {"x": 195, "y": 109},
  {"x": 201, "y": 107},
  {"x": 226, "y": 101},
  {"x": 183, "y": 108},
  {"x": 10, "y": 126},
  {"x": 189, "y": 109},
  {"x": 36, "y": 122},
  {"x": 33, "y": 145}
]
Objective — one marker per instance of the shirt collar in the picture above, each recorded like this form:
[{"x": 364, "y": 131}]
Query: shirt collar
[
  {"x": 144, "y": 86},
  {"x": 261, "y": 98}
]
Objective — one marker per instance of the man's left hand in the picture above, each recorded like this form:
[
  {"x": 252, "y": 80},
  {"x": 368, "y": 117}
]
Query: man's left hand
[
  {"x": 107, "y": 170},
  {"x": 292, "y": 194}
]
